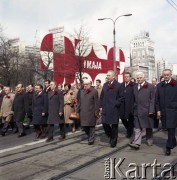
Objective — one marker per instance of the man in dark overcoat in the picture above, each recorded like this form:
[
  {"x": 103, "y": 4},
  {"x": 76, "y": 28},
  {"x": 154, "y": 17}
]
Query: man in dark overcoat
[
  {"x": 55, "y": 111},
  {"x": 88, "y": 108},
  {"x": 19, "y": 109},
  {"x": 40, "y": 110},
  {"x": 29, "y": 97},
  {"x": 144, "y": 109},
  {"x": 47, "y": 88},
  {"x": 2, "y": 94},
  {"x": 126, "y": 108},
  {"x": 166, "y": 105},
  {"x": 110, "y": 101}
]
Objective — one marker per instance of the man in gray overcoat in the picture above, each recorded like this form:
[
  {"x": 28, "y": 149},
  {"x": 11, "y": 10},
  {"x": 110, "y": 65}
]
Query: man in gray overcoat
[
  {"x": 88, "y": 108},
  {"x": 110, "y": 101},
  {"x": 144, "y": 109},
  {"x": 166, "y": 106},
  {"x": 55, "y": 111}
]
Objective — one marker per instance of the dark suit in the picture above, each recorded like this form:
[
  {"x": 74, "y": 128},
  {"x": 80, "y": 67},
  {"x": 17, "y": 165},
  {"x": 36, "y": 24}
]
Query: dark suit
[
  {"x": 110, "y": 101},
  {"x": 126, "y": 108},
  {"x": 29, "y": 98},
  {"x": 143, "y": 106},
  {"x": 19, "y": 108},
  {"x": 39, "y": 106},
  {"x": 166, "y": 103},
  {"x": 55, "y": 106}
]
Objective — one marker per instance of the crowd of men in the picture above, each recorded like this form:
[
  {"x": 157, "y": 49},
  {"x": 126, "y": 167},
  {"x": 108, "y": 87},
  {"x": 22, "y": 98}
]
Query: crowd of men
[{"x": 139, "y": 104}]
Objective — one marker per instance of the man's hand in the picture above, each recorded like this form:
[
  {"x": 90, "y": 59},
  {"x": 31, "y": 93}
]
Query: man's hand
[
  {"x": 43, "y": 114},
  {"x": 60, "y": 113},
  {"x": 158, "y": 115}
]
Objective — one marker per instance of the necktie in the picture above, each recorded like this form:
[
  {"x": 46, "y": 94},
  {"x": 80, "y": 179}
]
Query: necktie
[{"x": 140, "y": 86}]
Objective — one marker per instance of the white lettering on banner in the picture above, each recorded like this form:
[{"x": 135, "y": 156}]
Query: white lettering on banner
[{"x": 92, "y": 65}]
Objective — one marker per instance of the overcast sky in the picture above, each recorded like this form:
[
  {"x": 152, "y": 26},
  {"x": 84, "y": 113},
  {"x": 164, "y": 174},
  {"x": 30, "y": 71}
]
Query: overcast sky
[{"x": 21, "y": 18}]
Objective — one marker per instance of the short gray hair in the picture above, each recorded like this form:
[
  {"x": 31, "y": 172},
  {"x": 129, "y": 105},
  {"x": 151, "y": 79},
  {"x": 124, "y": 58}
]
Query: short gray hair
[
  {"x": 139, "y": 73},
  {"x": 167, "y": 70},
  {"x": 111, "y": 71}
]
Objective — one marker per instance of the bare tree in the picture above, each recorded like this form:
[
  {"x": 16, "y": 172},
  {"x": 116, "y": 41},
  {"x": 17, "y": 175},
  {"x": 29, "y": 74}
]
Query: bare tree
[
  {"x": 8, "y": 61},
  {"x": 83, "y": 46}
]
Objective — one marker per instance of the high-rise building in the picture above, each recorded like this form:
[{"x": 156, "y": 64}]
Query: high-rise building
[
  {"x": 161, "y": 65},
  {"x": 142, "y": 55}
]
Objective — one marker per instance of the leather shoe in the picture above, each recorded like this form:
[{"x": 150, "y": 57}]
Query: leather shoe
[
  {"x": 134, "y": 146},
  {"x": 90, "y": 143},
  {"x": 61, "y": 138},
  {"x": 168, "y": 152},
  {"x": 21, "y": 135},
  {"x": 113, "y": 145},
  {"x": 49, "y": 139}
]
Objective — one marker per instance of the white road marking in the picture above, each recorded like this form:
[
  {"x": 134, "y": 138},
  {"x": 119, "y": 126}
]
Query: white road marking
[
  {"x": 35, "y": 142},
  {"x": 31, "y": 143}
]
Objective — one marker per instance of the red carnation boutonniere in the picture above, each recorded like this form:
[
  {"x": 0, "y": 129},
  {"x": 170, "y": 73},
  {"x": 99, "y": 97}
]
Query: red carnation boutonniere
[
  {"x": 145, "y": 85},
  {"x": 0, "y": 95},
  {"x": 173, "y": 82},
  {"x": 75, "y": 101},
  {"x": 88, "y": 91},
  {"x": 111, "y": 86},
  {"x": 8, "y": 97},
  {"x": 21, "y": 93},
  {"x": 71, "y": 93},
  {"x": 55, "y": 93}
]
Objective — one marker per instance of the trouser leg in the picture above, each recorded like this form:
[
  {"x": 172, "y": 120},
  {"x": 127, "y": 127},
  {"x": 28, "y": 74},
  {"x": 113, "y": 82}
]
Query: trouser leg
[
  {"x": 38, "y": 130},
  {"x": 114, "y": 134},
  {"x": 131, "y": 124},
  {"x": 138, "y": 136},
  {"x": 171, "y": 141},
  {"x": 149, "y": 135},
  {"x": 14, "y": 126},
  {"x": 125, "y": 123},
  {"x": 62, "y": 129},
  {"x": 44, "y": 129},
  {"x": 86, "y": 130},
  {"x": 91, "y": 134},
  {"x": 107, "y": 129},
  {"x": 5, "y": 126},
  {"x": 20, "y": 127},
  {"x": 50, "y": 131}
]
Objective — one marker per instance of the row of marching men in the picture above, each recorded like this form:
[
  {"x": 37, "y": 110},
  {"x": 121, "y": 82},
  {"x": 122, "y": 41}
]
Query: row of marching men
[
  {"x": 42, "y": 107},
  {"x": 139, "y": 105}
]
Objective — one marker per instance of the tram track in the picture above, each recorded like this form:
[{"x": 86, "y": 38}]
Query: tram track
[
  {"x": 66, "y": 174},
  {"x": 44, "y": 151},
  {"x": 47, "y": 144}
]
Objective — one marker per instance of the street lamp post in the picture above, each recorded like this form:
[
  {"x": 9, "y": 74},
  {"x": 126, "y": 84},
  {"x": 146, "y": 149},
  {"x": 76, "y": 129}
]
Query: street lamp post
[{"x": 114, "y": 38}]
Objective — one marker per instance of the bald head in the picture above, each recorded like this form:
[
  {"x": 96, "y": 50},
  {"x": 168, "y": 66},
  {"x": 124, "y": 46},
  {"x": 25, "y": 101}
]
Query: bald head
[{"x": 110, "y": 75}]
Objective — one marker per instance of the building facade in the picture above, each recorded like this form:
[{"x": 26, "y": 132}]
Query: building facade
[
  {"x": 161, "y": 65},
  {"x": 142, "y": 55}
]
